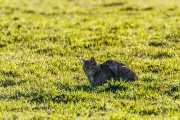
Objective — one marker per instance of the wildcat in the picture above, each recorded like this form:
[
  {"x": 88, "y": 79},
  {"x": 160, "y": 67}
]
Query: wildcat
[{"x": 98, "y": 74}]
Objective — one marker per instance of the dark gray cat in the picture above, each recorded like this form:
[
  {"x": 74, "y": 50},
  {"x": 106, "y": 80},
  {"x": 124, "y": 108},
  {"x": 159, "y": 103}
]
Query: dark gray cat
[{"x": 99, "y": 74}]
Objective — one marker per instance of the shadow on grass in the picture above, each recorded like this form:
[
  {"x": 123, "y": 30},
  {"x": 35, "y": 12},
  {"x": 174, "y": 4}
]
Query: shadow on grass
[
  {"x": 2, "y": 45},
  {"x": 84, "y": 88},
  {"x": 113, "y": 4},
  {"x": 8, "y": 83},
  {"x": 112, "y": 86},
  {"x": 173, "y": 91},
  {"x": 67, "y": 94}
]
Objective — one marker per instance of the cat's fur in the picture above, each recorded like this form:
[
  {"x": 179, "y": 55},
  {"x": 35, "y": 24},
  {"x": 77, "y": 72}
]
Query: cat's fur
[{"x": 99, "y": 74}]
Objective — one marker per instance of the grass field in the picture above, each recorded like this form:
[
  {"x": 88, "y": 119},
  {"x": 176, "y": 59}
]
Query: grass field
[{"x": 41, "y": 42}]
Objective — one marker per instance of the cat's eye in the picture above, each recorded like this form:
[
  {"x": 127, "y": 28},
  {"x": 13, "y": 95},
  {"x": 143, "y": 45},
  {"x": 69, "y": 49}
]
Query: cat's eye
[
  {"x": 86, "y": 68},
  {"x": 92, "y": 62}
]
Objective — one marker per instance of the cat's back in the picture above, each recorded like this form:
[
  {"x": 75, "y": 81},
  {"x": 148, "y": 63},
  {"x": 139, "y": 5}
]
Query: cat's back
[
  {"x": 120, "y": 70},
  {"x": 113, "y": 63}
]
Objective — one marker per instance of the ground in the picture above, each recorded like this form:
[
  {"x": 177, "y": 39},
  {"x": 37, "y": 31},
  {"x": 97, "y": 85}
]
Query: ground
[{"x": 42, "y": 41}]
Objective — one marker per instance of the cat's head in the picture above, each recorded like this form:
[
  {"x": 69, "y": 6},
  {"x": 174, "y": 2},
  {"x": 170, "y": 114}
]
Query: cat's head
[{"x": 90, "y": 66}]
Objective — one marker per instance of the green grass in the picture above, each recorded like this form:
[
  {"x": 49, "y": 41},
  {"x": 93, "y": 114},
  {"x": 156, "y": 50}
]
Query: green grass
[{"x": 41, "y": 43}]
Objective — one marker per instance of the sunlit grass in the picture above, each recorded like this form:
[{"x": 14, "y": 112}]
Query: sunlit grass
[{"x": 41, "y": 43}]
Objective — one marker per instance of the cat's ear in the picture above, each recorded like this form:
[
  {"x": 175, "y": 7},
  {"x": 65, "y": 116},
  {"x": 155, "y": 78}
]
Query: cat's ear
[
  {"x": 83, "y": 59},
  {"x": 93, "y": 61}
]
